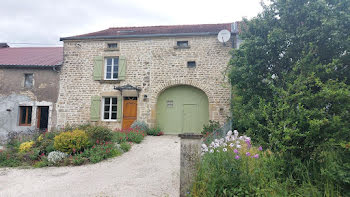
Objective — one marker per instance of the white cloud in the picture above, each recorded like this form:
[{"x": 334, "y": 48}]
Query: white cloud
[{"x": 45, "y": 21}]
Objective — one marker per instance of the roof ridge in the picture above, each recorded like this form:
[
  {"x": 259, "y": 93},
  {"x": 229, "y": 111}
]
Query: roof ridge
[{"x": 169, "y": 25}]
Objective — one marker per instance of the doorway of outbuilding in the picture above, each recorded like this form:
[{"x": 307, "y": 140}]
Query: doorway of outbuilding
[
  {"x": 182, "y": 109},
  {"x": 42, "y": 117}
]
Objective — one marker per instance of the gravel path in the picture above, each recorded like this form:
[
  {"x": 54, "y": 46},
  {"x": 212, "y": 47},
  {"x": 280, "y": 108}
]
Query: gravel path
[{"x": 151, "y": 168}]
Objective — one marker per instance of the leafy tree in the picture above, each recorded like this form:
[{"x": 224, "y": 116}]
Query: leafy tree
[{"x": 291, "y": 78}]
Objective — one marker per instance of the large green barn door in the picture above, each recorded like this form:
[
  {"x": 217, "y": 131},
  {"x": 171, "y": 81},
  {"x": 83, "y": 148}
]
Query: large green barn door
[{"x": 182, "y": 109}]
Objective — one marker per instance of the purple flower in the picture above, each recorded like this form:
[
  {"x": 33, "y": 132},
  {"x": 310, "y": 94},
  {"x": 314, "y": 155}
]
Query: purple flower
[
  {"x": 256, "y": 156},
  {"x": 247, "y": 154},
  {"x": 260, "y": 148},
  {"x": 237, "y": 157},
  {"x": 248, "y": 143},
  {"x": 235, "y": 151}
]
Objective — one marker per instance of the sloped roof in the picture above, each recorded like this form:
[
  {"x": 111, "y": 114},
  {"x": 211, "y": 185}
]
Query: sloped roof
[
  {"x": 31, "y": 56},
  {"x": 153, "y": 31}
]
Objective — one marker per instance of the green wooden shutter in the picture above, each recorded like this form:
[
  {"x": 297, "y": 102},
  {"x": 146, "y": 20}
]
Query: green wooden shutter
[
  {"x": 122, "y": 68},
  {"x": 98, "y": 68},
  {"x": 95, "y": 108},
  {"x": 119, "y": 108}
]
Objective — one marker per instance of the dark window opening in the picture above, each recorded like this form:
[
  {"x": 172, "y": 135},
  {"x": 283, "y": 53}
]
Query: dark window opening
[
  {"x": 28, "y": 80},
  {"x": 182, "y": 43},
  {"x": 112, "y": 45},
  {"x": 191, "y": 64},
  {"x": 25, "y": 116}
]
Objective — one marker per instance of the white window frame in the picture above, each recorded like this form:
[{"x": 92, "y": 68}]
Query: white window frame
[
  {"x": 112, "y": 68},
  {"x": 110, "y": 109}
]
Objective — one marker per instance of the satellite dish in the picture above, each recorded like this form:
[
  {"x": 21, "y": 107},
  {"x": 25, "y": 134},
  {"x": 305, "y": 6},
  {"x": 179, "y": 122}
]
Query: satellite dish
[{"x": 224, "y": 35}]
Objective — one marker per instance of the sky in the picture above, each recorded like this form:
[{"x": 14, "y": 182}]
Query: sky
[{"x": 26, "y": 23}]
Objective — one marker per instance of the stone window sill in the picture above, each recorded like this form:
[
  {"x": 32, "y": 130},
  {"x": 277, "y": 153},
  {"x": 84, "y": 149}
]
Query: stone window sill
[{"x": 184, "y": 47}]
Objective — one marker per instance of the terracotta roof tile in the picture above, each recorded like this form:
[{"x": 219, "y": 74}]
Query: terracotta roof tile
[
  {"x": 155, "y": 30},
  {"x": 31, "y": 56}
]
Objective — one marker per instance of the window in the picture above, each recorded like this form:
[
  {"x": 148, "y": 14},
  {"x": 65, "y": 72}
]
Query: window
[
  {"x": 170, "y": 104},
  {"x": 112, "y": 45},
  {"x": 109, "y": 108},
  {"x": 25, "y": 115},
  {"x": 111, "y": 68},
  {"x": 191, "y": 64},
  {"x": 182, "y": 44},
  {"x": 28, "y": 80}
]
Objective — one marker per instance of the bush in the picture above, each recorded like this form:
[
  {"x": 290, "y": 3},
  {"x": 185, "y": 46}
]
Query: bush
[
  {"x": 125, "y": 146},
  {"x": 42, "y": 163},
  {"x": 155, "y": 131},
  {"x": 56, "y": 156},
  {"x": 79, "y": 159},
  {"x": 25, "y": 146},
  {"x": 99, "y": 134},
  {"x": 132, "y": 135},
  {"x": 140, "y": 125},
  {"x": 45, "y": 142},
  {"x": 210, "y": 127},
  {"x": 119, "y": 137},
  {"x": 71, "y": 141},
  {"x": 9, "y": 159},
  {"x": 101, "y": 151}
]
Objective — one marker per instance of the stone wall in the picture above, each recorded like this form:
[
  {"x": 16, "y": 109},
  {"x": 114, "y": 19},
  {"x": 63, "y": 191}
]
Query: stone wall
[
  {"x": 13, "y": 94},
  {"x": 153, "y": 64}
]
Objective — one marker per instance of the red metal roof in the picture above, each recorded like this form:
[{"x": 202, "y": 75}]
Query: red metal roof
[
  {"x": 31, "y": 56},
  {"x": 155, "y": 30}
]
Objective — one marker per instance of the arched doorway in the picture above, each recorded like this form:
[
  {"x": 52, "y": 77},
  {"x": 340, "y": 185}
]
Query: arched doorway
[{"x": 182, "y": 109}]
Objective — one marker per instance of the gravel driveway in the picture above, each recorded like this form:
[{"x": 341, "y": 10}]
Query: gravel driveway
[{"x": 151, "y": 168}]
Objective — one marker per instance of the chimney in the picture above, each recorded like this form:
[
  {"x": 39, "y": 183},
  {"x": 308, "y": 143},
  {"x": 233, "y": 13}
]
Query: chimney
[{"x": 4, "y": 45}]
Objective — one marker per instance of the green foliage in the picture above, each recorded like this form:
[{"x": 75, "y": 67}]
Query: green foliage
[
  {"x": 9, "y": 159},
  {"x": 100, "y": 152},
  {"x": 155, "y": 131},
  {"x": 131, "y": 135},
  {"x": 99, "y": 133},
  {"x": 291, "y": 84},
  {"x": 119, "y": 137},
  {"x": 125, "y": 146},
  {"x": 42, "y": 163},
  {"x": 45, "y": 142},
  {"x": 79, "y": 159},
  {"x": 71, "y": 141},
  {"x": 210, "y": 127},
  {"x": 140, "y": 125}
]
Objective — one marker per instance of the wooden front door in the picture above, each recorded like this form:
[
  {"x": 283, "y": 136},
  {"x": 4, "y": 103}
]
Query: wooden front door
[{"x": 129, "y": 111}]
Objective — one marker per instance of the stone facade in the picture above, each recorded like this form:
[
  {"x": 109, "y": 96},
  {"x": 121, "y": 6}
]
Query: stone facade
[
  {"x": 153, "y": 64},
  {"x": 13, "y": 94}
]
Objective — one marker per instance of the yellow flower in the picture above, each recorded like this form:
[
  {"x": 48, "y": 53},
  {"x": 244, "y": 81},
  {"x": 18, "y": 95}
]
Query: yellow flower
[
  {"x": 40, "y": 137},
  {"x": 25, "y": 146}
]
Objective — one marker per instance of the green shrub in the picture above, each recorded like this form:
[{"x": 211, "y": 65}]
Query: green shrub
[
  {"x": 125, "y": 146},
  {"x": 9, "y": 159},
  {"x": 132, "y": 135},
  {"x": 119, "y": 137},
  {"x": 42, "y": 163},
  {"x": 99, "y": 134},
  {"x": 79, "y": 159},
  {"x": 155, "y": 131},
  {"x": 45, "y": 142},
  {"x": 71, "y": 141},
  {"x": 210, "y": 127},
  {"x": 140, "y": 125},
  {"x": 100, "y": 152}
]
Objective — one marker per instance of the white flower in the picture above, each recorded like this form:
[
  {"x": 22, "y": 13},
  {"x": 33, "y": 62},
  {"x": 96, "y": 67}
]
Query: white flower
[
  {"x": 229, "y": 133},
  {"x": 238, "y": 146},
  {"x": 204, "y": 146},
  {"x": 224, "y": 149},
  {"x": 227, "y": 138},
  {"x": 224, "y": 144},
  {"x": 235, "y": 133},
  {"x": 232, "y": 145},
  {"x": 56, "y": 156},
  {"x": 211, "y": 150},
  {"x": 217, "y": 151}
]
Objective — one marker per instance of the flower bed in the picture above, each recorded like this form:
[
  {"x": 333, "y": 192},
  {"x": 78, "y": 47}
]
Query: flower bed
[{"x": 71, "y": 146}]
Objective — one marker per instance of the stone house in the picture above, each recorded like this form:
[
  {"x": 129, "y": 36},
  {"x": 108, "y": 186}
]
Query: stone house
[
  {"x": 173, "y": 77},
  {"x": 28, "y": 88}
]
